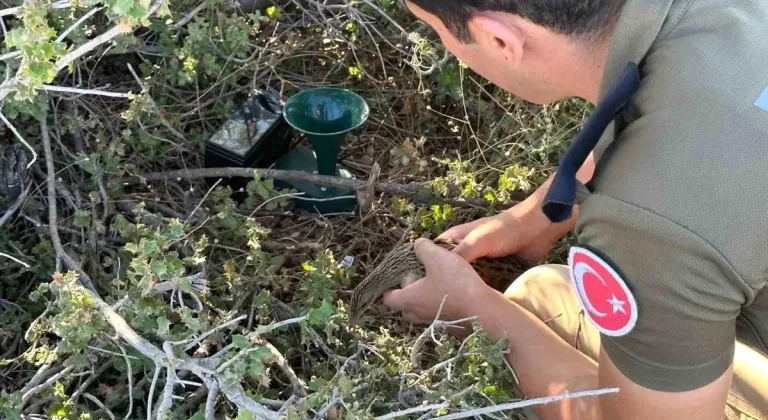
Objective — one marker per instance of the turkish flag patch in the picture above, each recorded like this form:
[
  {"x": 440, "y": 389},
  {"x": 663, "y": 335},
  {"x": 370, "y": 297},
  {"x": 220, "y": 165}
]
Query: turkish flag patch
[{"x": 606, "y": 299}]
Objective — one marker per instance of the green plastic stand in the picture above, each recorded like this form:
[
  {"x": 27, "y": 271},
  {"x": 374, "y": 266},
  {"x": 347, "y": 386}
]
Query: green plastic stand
[{"x": 325, "y": 116}]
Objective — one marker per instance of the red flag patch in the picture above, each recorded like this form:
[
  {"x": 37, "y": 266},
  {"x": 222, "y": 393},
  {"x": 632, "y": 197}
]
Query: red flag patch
[{"x": 606, "y": 299}]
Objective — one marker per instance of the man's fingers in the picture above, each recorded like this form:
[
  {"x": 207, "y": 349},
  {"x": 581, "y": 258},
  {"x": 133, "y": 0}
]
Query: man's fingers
[
  {"x": 467, "y": 249},
  {"x": 458, "y": 233},
  {"x": 393, "y": 299},
  {"x": 399, "y": 299},
  {"x": 470, "y": 248},
  {"x": 429, "y": 253}
]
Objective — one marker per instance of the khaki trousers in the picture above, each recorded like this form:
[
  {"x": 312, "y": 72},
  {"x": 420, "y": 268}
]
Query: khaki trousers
[{"x": 547, "y": 292}]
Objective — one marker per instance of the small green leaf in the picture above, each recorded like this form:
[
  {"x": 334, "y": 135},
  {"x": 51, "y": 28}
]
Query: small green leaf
[
  {"x": 260, "y": 353},
  {"x": 176, "y": 229},
  {"x": 345, "y": 385},
  {"x": 122, "y": 7},
  {"x": 316, "y": 384},
  {"x": 164, "y": 325},
  {"x": 185, "y": 286},
  {"x": 321, "y": 315},
  {"x": 46, "y": 48},
  {"x": 82, "y": 219},
  {"x": 43, "y": 72},
  {"x": 239, "y": 341},
  {"x": 255, "y": 369},
  {"x": 244, "y": 415},
  {"x": 148, "y": 247},
  {"x": 159, "y": 268},
  {"x": 190, "y": 319}
]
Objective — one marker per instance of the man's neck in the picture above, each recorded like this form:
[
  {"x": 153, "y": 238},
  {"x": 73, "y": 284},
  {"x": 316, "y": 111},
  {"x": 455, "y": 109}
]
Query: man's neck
[
  {"x": 584, "y": 72},
  {"x": 575, "y": 66}
]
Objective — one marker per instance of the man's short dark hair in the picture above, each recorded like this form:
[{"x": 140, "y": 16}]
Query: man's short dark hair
[{"x": 578, "y": 18}]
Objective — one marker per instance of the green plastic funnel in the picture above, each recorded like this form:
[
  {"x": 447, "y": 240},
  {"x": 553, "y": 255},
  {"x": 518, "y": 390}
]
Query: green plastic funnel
[{"x": 325, "y": 116}]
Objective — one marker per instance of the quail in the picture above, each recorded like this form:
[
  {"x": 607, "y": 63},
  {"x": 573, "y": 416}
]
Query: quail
[{"x": 401, "y": 267}]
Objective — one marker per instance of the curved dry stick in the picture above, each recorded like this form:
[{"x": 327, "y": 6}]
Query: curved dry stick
[
  {"x": 15, "y": 206},
  {"x": 210, "y": 402},
  {"x": 19, "y": 137}
]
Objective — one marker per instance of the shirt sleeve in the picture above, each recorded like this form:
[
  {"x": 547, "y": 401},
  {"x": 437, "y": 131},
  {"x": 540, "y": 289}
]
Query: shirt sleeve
[{"x": 687, "y": 295}]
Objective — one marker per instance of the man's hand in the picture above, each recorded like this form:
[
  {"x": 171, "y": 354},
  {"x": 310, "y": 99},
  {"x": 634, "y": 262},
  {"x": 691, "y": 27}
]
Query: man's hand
[
  {"x": 447, "y": 276},
  {"x": 507, "y": 233},
  {"x": 522, "y": 230}
]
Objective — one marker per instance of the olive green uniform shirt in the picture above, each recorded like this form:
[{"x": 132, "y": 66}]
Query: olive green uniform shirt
[{"x": 679, "y": 200}]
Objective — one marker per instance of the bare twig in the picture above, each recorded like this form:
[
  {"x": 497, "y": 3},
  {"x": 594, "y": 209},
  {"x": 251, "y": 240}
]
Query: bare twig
[
  {"x": 100, "y": 404},
  {"x": 167, "y": 401},
  {"x": 27, "y": 395},
  {"x": 500, "y": 407},
  {"x": 130, "y": 383},
  {"x": 78, "y": 23},
  {"x": 203, "y": 336},
  {"x": 52, "y": 212},
  {"x": 89, "y": 381},
  {"x": 202, "y": 200},
  {"x": 191, "y": 15},
  {"x": 10, "y": 257},
  {"x": 155, "y": 376},
  {"x": 299, "y": 387},
  {"x": 154, "y": 105},
  {"x": 51, "y": 88},
  {"x": 210, "y": 402},
  {"x": 43, "y": 372},
  {"x": 15, "y": 206},
  {"x": 233, "y": 391},
  {"x": 18, "y": 136}
]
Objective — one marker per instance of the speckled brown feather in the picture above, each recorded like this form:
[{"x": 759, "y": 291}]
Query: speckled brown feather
[{"x": 401, "y": 267}]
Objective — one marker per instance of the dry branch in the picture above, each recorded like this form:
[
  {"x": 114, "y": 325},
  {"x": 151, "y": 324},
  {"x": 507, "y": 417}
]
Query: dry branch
[
  {"x": 234, "y": 392},
  {"x": 18, "y": 136},
  {"x": 414, "y": 191},
  {"x": 52, "y": 211},
  {"x": 15, "y": 206},
  {"x": 500, "y": 407}
]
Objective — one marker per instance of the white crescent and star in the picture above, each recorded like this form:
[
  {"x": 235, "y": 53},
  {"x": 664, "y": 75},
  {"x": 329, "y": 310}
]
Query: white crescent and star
[
  {"x": 579, "y": 270},
  {"x": 581, "y": 260},
  {"x": 618, "y": 305}
]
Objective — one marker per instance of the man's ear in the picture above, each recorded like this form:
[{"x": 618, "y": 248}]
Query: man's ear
[{"x": 499, "y": 33}]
